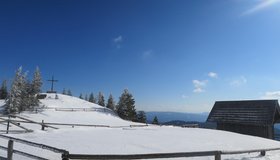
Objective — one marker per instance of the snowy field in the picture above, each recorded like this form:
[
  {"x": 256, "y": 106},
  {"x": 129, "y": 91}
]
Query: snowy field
[{"x": 128, "y": 140}]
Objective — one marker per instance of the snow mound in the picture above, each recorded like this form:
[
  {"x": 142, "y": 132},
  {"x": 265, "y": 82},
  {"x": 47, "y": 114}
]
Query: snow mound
[{"x": 65, "y": 101}]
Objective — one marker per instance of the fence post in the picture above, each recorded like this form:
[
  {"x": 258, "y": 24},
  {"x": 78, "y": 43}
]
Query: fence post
[
  {"x": 64, "y": 156},
  {"x": 10, "y": 150},
  {"x": 262, "y": 153},
  {"x": 8, "y": 125},
  {"x": 43, "y": 126},
  {"x": 218, "y": 155}
]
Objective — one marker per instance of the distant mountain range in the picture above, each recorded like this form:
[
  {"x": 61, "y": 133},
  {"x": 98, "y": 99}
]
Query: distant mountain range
[
  {"x": 164, "y": 117},
  {"x": 183, "y": 123}
]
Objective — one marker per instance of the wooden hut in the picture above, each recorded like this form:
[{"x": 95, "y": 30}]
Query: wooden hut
[{"x": 254, "y": 117}]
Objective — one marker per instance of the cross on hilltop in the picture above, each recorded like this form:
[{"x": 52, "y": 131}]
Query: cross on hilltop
[{"x": 52, "y": 81}]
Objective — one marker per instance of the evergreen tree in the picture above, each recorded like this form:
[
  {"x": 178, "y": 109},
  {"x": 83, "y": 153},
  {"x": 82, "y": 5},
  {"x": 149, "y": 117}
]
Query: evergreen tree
[
  {"x": 23, "y": 94},
  {"x": 64, "y": 91},
  {"x": 101, "y": 100},
  {"x": 110, "y": 103},
  {"x": 69, "y": 93},
  {"x": 81, "y": 96},
  {"x": 86, "y": 97},
  {"x": 4, "y": 90},
  {"x": 35, "y": 88},
  {"x": 92, "y": 98},
  {"x": 37, "y": 81},
  {"x": 126, "y": 106},
  {"x": 141, "y": 117},
  {"x": 155, "y": 120},
  {"x": 26, "y": 97},
  {"x": 15, "y": 101}
]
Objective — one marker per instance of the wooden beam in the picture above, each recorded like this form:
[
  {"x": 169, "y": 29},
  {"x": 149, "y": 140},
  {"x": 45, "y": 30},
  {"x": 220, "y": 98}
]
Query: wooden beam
[
  {"x": 23, "y": 154},
  {"x": 34, "y": 121},
  {"x": 38, "y": 145},
  {"x": 10, "y": 150},
  {"x": 144, "y": 156}
]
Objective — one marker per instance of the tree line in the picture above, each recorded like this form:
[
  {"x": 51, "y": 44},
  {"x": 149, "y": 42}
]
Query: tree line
[
  {"x": 125, "y": 108},
  {"x": 23, "y": 92}
]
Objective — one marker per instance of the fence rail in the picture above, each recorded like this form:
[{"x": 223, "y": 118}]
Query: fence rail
[
  {"x": 148, "y": 156},
  {"x": 216, "y": 154},
  {"x": 10, "y": 150},
  {"x": 51, "y": 124},
  {"x": 66, "y": 156},
  {"x": 38, "y": 145},
  {"x": 23, "y": 153},
  {"x": 105, "y": 110}
]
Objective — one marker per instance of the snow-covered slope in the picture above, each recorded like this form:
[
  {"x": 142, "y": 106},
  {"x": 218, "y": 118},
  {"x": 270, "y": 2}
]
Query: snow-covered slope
[
  {"x": 65, "y": 101},
  {"x": 76, "y": 117},
  {"x": 84, "y": 112},
  {"x": 121, "y": 138}
]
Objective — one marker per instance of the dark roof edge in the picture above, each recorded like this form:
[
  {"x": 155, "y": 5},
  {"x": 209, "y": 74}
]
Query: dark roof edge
[{"x": 249, "y": 100}]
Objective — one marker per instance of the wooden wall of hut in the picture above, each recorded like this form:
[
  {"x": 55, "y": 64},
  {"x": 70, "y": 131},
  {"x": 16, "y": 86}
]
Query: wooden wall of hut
[{"x": 265, "y": 131}]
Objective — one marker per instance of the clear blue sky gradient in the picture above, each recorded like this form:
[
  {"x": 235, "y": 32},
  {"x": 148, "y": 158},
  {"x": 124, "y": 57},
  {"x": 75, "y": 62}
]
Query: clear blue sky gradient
[{"x": 155, "y": 48}]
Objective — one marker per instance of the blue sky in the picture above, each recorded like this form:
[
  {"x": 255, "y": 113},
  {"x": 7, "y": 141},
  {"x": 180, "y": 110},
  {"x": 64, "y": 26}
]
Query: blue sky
[{"x": 172, "y": 55}]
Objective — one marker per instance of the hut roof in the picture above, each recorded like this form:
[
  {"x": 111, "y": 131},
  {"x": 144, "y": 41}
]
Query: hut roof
[{"x": 253, "y": 112}]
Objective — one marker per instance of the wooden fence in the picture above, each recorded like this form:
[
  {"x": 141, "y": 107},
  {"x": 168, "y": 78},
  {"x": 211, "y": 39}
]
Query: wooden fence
[
  {"x": 217, "y": 155},
  {"x": 65, "y": 155},
  {"x": 17, "y": 123},
  {"x": 104, "y": 110},
  {"x": 8, "y": 121},
  {"x": 10, "y": 150}
]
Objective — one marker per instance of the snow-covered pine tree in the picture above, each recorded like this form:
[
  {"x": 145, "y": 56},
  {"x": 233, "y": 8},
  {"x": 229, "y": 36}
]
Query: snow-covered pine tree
[
  {"x": 36, "y": 85},
  {"x": 110, "y": 103},
  {"x": 81, "y": 96},
  {"x": 86, "y": 97},
  {"x": 101, "y": 100},
  {"x": 4, "y": 90},
  {"x": 64, "y": 91},
  {"x": 141, "y": 117},
  {"x": 69, "y": 93},
  {"x": 155, "y": 120},
  {"x": 92, "y": 98},
  {"x": 26, "y": 97},
  {"x": 15, "y": 102},
  {"x": 126, "y": 106}
]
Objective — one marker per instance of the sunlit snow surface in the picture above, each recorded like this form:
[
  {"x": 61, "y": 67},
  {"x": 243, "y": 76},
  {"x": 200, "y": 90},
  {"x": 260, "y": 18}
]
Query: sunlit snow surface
[{"x": 129, "y": 140}]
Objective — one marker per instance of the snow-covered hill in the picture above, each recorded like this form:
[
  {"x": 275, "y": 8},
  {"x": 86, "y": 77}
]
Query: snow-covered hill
[
  {"x": 120, "y": 138},
  {"x": 72, "y": 110},
  {"x": 65, "y": 101}
]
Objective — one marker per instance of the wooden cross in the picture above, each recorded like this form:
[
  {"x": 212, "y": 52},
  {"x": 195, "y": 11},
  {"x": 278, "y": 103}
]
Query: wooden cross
[{"x": 52, "y": 80}]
